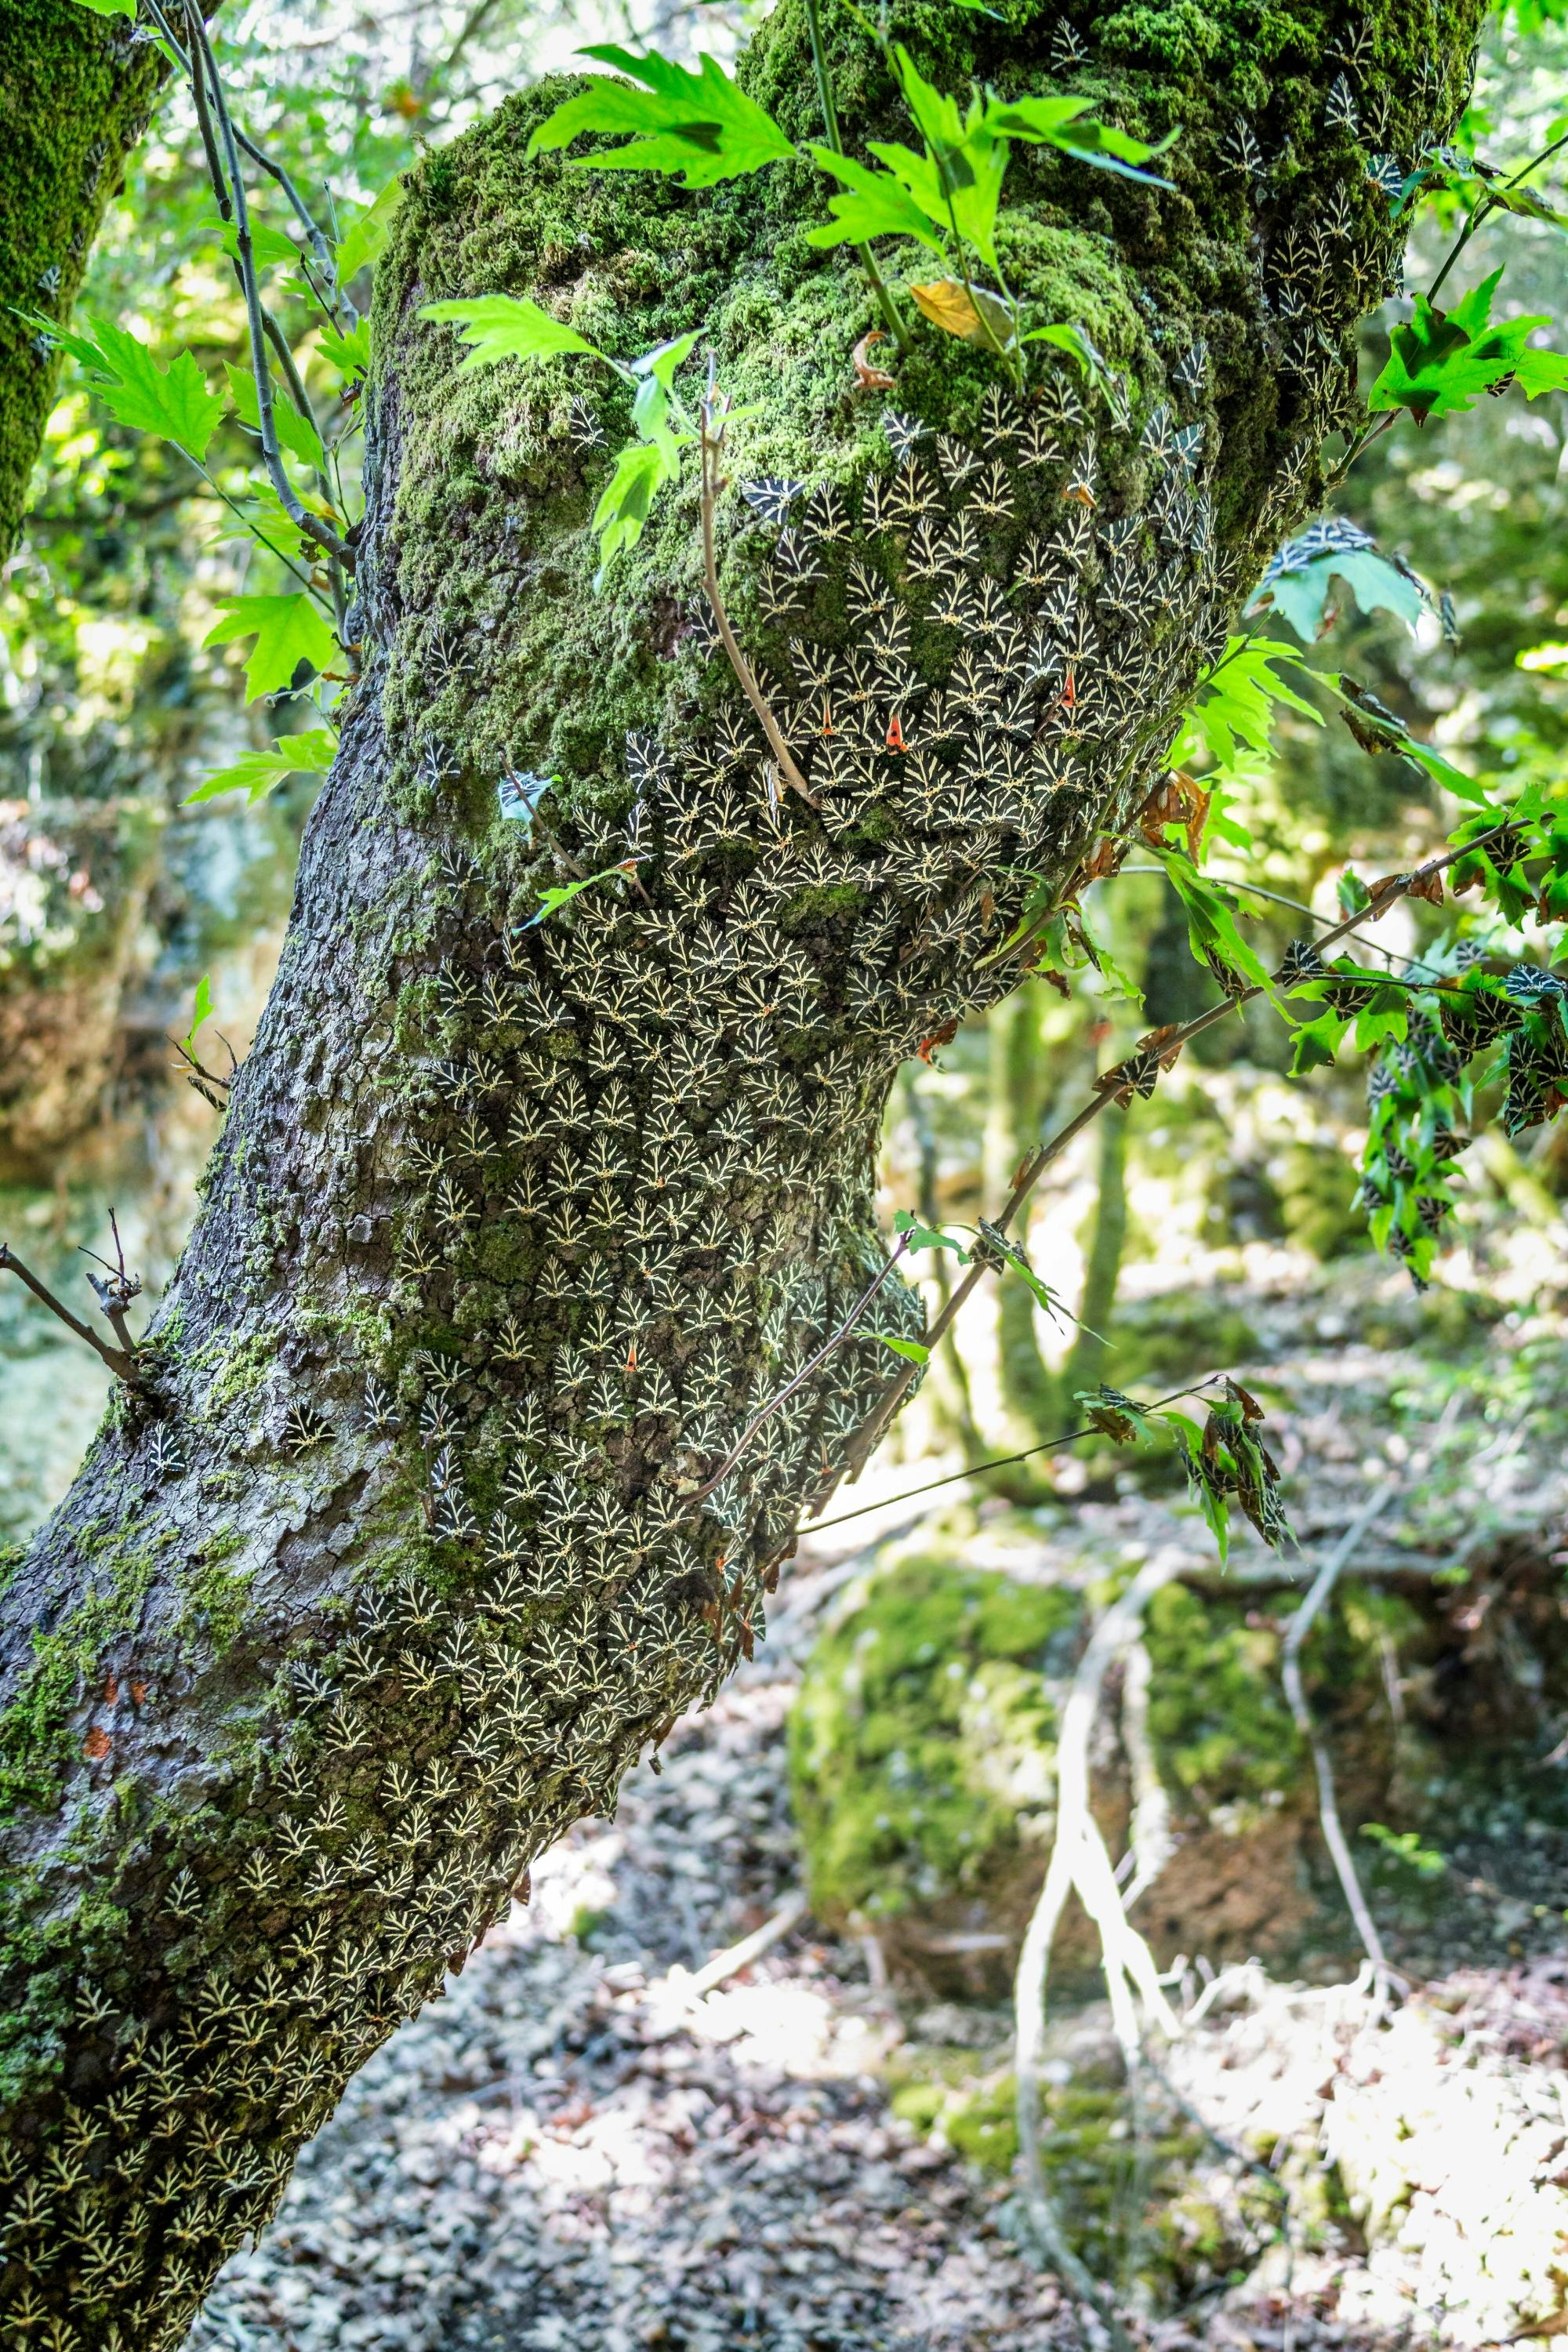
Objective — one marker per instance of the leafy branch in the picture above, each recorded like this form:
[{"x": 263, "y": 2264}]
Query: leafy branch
[
  {"x": 1440, "y": 361},
  {"x": 227, "y": 176},
  {"x": 1137, "y": 1074}
]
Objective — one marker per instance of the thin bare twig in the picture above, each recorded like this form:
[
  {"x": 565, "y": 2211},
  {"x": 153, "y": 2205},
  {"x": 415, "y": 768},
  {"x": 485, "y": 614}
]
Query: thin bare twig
[
  {"x": 121, "y": 1361},
  {"x": 1002, "y": 1462},
  {"x": 711, "y": 437},
  {"x": 198, "y": 1075},
  {"x": 730, "y": 1962}
]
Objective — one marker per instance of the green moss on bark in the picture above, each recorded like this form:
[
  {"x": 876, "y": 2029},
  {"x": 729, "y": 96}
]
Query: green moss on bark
[
  {"x": 38, "y": 1740},
  {"x": 75, "y": 94}
]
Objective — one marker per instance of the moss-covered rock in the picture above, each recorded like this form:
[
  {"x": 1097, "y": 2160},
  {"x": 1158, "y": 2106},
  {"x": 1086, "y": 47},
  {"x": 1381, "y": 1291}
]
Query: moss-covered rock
[
  {"x": 922, "y": 1759},
  {"x": 1143, "y": 2199},
  {"x": 922, "y": 1750}
]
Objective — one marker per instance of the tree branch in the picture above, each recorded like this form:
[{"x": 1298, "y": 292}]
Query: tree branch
[
  {"x": 121, "y": 1361},
  {"x": 1035, "y": 1167}
]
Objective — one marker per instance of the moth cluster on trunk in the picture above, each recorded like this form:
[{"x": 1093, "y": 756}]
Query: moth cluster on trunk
[{"x": 627, "y": 1177}]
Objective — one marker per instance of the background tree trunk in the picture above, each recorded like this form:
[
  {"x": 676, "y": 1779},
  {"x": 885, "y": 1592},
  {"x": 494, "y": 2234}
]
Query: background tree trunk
[
  {"x": 402, "y": 1555},
  {"x": 76, "y": 92}
]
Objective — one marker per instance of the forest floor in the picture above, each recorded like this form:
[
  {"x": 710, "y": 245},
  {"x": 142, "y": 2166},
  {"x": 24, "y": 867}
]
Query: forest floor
[{"x": 578, "y": 2146}]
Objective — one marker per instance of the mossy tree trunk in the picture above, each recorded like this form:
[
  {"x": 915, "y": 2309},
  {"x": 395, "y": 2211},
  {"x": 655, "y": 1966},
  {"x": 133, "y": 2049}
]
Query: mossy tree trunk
[
  {"x": 76, "y": 90},
  {"x": 402, "y": 1558}
]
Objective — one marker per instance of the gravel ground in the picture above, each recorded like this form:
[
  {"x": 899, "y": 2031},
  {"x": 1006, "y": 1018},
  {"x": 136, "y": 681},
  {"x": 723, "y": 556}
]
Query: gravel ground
[{"x": 565, "y": 2151}]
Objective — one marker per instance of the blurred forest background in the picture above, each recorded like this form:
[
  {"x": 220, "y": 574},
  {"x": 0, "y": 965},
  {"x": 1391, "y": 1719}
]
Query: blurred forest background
[{"x": 579, "y": 2131}]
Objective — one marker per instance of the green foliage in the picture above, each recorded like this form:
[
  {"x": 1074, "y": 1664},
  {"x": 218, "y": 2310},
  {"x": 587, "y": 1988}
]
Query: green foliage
[
  {"x": 500, "y": 326},
  {"x": 1404, "y": 1846},
  {"x": 1073, "y": 338},
  {"x": 700, "y": 127},
  {"x": 348, "y": 353},
  {"x": 1224, "y": 1458},
  {"x": 911, "y": 1351},
  {"x": 1236, "y": 706},
  {"x": 296, "y": 433},
  {"x": 1212, "y": 928},
  {"x": 257, "y": 773},
  {"x": 289, "y": 631},
  {"x": 873, "y": 204},
  {"x": 1443, "y": 360},
  {"x": 365, "y": 238},
  {"x": 918, "y": 1236},
  {"x": 1377, "y": 585},
  {"x": 172, "y": 401},
  {"x": 551, "y": 901},
  {"x": 509, "y": 326},
  {"x": 201, "y": 1012},
  {"x": 1066, "y": 124}
]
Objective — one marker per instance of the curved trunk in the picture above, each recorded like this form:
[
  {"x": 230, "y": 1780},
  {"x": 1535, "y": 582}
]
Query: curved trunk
[{"x": 404, "y": 1553}]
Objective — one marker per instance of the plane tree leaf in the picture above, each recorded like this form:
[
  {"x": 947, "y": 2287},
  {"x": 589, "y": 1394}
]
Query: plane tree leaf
[
  {"x": 871, "y": 205},
  {"x": 296, "y": 434},
  {"x": 1441, "y": 362},
  {"x": 257, "y": 773},
  {"x": 509, "y": 326},
  {"x": 700, "y": 128},
  {"x": 288, "y": 631},
  {"x": 367, "y": 235},
  {"x": 172, "y": 401},
  {"x": 1301, "y": 596}
]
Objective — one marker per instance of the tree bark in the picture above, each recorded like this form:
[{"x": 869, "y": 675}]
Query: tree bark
[
  {"x": 402, "y": 1555},
  {"x": 76, "y": 90}
]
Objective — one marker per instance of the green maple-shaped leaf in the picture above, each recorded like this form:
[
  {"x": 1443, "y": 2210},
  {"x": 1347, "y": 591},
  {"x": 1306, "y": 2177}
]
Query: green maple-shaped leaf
[
  {"x": 1442, "y": 362},
  {"x": 350, "y": 354},
  {"x": 367, "y": 233},
  {"x": 257, "y": 773},
  {"x": 295, "y": 433},
  {"x": 701, "y": 127},
  {"x": 1066, "y": 124},
  {"x": 174, "y": 401},
  {"x": 1317, "y": 1042},
  {"x": 287, "y": 630},
  {"x": 874, "y": 203},
  {"x": 1236, "y": 703},
  {"x": 509, "y": 326},
  {"x": 1300, "y": 597}
]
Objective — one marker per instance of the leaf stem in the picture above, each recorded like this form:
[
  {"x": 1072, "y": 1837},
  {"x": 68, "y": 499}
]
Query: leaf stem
[
  {"x": 1010, "y": 361},
  {"x": 891, "y": 314}
]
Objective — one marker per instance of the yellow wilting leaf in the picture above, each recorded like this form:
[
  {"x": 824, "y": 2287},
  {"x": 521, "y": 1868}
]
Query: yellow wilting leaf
[{"x": 974, "y": 314}]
